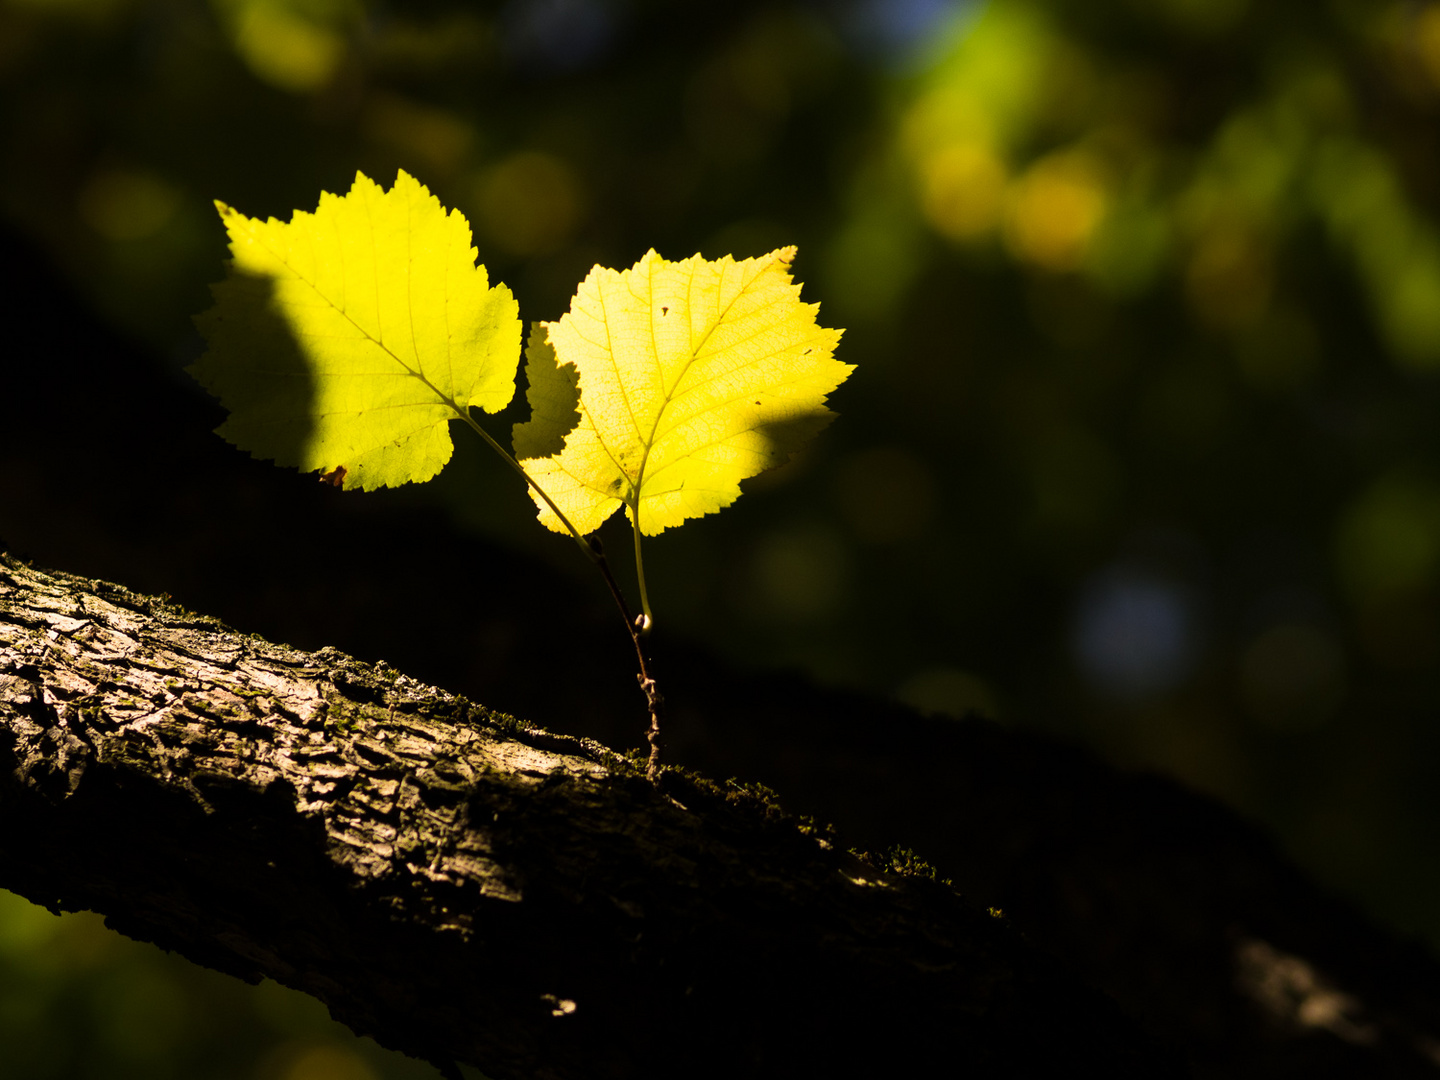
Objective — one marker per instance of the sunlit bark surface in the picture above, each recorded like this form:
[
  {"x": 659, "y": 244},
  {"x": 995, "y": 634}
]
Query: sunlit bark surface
[{"x": 466, "y": 889}]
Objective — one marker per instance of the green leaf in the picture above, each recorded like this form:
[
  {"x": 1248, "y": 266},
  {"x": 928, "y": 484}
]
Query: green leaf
[
  {"x": 692, "y": 376},
  {"x": 344, "y": 341}
]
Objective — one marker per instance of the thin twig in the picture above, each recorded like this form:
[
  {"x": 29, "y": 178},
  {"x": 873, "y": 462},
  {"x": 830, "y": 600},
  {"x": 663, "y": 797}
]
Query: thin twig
[{"x": 637, "y": 625}]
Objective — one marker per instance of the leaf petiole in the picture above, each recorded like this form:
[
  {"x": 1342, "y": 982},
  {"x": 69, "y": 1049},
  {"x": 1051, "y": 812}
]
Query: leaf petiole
[
  {"x": 464, "y": 414},
  {"x": 647, "y": 620},
  {"x": 637, "y": 626}
]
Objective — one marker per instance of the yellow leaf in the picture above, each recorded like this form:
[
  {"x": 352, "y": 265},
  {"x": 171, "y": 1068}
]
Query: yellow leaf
[
  {"x": 554, "y": 397},
  {"x": 344, "y": 341},
  {"x": 692, "y": 376}
]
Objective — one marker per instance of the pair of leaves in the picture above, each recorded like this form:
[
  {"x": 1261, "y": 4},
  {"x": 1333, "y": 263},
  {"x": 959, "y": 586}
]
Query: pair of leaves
[{"x": 344, "y": 341}]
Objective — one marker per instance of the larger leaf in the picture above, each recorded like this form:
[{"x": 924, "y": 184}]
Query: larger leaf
[
  {"x": 345, "y": 340},
  {"x": 692, "y": 376}
]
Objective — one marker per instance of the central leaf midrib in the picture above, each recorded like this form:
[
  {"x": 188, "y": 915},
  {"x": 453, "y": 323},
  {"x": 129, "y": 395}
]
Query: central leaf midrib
[
  {"x": 684, "y": 368},
  {"x": 441, "y": 397}
]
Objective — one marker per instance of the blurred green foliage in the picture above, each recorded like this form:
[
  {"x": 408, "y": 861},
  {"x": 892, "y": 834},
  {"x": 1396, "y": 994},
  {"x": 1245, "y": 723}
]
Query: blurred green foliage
[
  {"x": 1144, "y": 294},
  {"x": 77, "y": 1000}
]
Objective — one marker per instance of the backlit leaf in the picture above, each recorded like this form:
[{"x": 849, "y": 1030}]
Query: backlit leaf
[
  {"x": 554, "y": 398},
  {"x": 344, "y": 341},
  {"x": 692, "y": 376}
]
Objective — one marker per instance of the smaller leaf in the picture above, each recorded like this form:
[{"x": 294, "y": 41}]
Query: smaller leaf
[
  {"x": 692, "y": 376},
  {"x": 554, "y": 397}
]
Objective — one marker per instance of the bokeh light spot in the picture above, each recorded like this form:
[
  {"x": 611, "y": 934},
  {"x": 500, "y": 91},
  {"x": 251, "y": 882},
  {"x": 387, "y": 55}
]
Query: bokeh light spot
[
  {"x": 1228, "y": 279},
  {"x": 127, "y": 204},
  {"x": 558, "y": 35},
  {"x": 994, "y": 74},
  {"x": 1135, "y": 634},
  {"x": 1426, "y": 31},
  {"x": 962, "y": 187},
  {"x": 1054, "y": 210},
  {"x": 437, "y": 137},
  {"x": 947, "y": 115},
  {"x": 529, "y": 204},
  {"x": 1411, "y": 307},
  {"x": 1388, "y": 541},
  {"x": 1292, "y": 676},
  {"x": 1396, "y": 250},
  {"x": 871, "y": 264},
  {"x": 284, "y": 46}
]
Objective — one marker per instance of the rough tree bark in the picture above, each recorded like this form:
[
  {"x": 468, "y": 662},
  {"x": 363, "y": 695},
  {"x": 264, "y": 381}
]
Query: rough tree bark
[{"x": 466, "y": 889}]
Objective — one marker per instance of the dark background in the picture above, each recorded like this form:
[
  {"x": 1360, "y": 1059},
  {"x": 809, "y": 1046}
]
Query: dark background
[{"x": 1141, "y": 450}]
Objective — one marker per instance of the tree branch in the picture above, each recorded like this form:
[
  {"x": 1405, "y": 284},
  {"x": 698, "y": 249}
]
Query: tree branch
[{"x": 466, "y": 889}]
